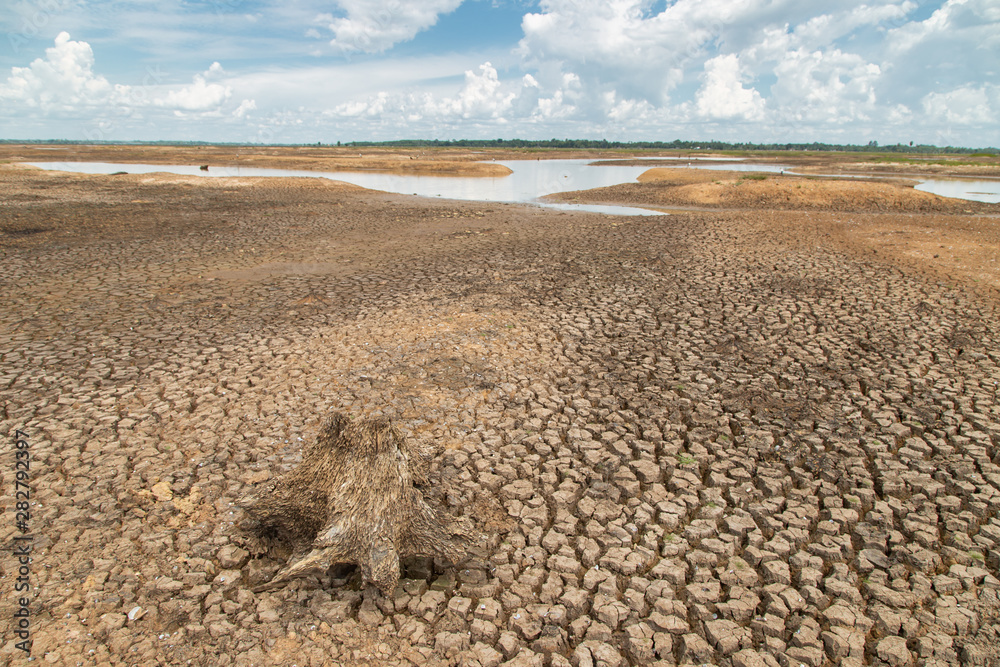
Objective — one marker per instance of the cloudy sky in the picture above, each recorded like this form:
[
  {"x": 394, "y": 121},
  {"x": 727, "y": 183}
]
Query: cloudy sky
[{"x": 303, "y": 71}]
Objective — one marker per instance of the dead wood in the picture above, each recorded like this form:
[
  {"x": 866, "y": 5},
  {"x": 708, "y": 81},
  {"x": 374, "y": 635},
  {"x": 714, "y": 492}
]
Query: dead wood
[{"x": 352, "y": 500}]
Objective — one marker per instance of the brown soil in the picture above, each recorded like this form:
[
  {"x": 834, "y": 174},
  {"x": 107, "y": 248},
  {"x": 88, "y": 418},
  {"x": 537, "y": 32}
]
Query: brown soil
[
  {"x": 954, "y": 239},
  {"x": 728, "y": 436},
  {"x": 732, "y": 189},
  {"x": 959, "y": 166}
]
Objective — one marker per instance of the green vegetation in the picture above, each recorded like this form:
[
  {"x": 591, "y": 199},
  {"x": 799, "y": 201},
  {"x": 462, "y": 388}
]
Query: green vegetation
[{"x": 685, "y": 459}]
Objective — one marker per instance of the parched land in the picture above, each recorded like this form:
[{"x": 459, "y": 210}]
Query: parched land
[
  {"x": 952, "y": 238},
  {"x": 755, "y": 434}
]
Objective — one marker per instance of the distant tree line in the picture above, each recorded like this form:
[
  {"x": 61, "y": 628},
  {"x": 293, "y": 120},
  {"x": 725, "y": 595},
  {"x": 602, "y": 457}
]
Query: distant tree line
[{"x": 677, "y": 144}]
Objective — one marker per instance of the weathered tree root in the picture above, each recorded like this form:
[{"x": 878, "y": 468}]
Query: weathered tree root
[{"x": 352, "y": 500}]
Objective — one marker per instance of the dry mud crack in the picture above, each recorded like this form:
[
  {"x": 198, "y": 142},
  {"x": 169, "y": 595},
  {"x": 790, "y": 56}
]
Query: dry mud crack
[{"x": 695, "y": 439}]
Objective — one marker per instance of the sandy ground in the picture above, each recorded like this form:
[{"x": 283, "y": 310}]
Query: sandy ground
[{"x": 734, "y": 436}]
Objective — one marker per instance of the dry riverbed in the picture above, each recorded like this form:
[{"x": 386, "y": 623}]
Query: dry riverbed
[{"x": 734, "y": 436}]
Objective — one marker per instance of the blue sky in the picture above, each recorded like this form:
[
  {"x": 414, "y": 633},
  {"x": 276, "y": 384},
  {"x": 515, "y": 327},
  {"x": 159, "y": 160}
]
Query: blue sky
[{"x": 259, "y": 71}]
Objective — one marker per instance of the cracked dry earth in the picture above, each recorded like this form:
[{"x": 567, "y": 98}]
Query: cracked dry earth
[{"x": 702, "y": 438}]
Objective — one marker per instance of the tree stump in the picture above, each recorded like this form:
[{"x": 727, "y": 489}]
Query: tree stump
[{"x": 352, "y": 500}]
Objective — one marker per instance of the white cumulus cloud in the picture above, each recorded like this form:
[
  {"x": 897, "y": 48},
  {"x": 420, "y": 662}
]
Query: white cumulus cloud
[
  {"x": 958, "y": 45},
  {"x": 373, "y": 27},
  {"x": 64, "y": 79},
  {"x": 822, "y": 30},
  {"x": 245, "y": 107},
  {"x": 955, "y": 20},
  {"x": 836, "y": 63},
  {"x": 758, "y": 70},
  {"x": 621, "y": 45},
  {"x": 967, "y": 105},
  {"x": 65, "y": 85},
  {"x": 483, "y": 97},
  {"x": 825, "y": 86},
  {"x": 723, "y": 94},
  {"x": 199, "y": 95}
]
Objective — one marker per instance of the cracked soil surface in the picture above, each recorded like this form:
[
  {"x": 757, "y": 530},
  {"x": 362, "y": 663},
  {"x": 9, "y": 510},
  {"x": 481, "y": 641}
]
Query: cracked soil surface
[{"x": 733, "y": 437}]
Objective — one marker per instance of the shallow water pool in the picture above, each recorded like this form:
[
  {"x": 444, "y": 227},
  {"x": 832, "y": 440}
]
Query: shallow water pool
[{"x": 530, "y": 180}]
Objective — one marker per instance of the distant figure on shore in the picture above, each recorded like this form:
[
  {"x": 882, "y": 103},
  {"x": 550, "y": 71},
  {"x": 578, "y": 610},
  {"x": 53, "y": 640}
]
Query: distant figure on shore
[{"x": 204, "y": 167}]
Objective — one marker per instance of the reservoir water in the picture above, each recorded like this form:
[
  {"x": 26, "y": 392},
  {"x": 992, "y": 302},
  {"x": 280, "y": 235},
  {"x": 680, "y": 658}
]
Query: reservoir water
[
  {"x": 984, "y": 191},
  {"x": 530, "y": 179}
]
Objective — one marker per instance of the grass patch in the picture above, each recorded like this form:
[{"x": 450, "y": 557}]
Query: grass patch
[
  {"x": 751, "y": 177},
  {"x": 685, "y": 459}
]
